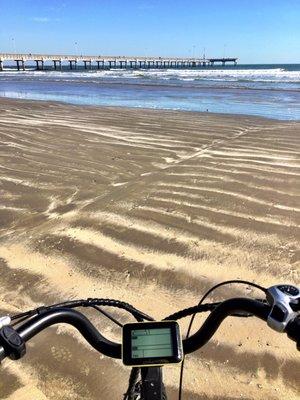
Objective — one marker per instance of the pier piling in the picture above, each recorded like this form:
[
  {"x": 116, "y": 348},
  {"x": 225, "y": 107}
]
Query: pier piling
[
  {"x": 57, "y": 62},
  {"x": 71, "y": 62},
  {"x": 38, "y": 67},
  {"x": 87, "y": 64},
  {"x": 22, "y": 67}
]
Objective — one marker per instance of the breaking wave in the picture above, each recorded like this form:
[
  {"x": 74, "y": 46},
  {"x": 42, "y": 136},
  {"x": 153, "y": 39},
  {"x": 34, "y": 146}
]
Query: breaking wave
[{"x": 275, "y": 75}]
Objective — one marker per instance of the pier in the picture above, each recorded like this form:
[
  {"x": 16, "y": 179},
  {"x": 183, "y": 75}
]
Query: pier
[{"x": 106, "y": 62}]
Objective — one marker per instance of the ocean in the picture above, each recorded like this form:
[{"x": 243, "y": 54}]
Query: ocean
[{"x": 265, "y": 90}]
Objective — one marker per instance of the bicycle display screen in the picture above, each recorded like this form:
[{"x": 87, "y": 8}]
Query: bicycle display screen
[{"x": 151, "y": 343}]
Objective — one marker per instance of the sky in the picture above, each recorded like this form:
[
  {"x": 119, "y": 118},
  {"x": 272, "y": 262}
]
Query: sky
[{"x": 255, "y": 31}]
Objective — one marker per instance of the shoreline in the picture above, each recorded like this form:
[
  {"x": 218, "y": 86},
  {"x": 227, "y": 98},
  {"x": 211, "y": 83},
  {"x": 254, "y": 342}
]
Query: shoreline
[
  {"x": 262, "y": 91},
  {"x": 166, "y": 110}
]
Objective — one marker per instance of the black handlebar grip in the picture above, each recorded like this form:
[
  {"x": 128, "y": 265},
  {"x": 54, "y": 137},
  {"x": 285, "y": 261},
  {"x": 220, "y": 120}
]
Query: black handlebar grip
[
  {"x": 293, "y": 331},
  {"x": 12, "y": 343}
]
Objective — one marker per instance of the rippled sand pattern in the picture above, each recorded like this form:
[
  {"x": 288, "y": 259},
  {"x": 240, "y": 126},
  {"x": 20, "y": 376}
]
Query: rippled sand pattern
[{"x": 151, "y": 207}]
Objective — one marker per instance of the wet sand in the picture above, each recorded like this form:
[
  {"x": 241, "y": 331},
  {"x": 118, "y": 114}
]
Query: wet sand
[{"x": 150, "y": 207}]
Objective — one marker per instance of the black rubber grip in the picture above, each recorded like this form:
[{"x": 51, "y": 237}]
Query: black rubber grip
[
  {"x": 293, "y": 331},
  {"x": 12, "y": 343}
]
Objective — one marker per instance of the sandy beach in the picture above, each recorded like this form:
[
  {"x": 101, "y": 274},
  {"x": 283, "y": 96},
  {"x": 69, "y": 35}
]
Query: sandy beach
[{"x": 153, "y": 208}]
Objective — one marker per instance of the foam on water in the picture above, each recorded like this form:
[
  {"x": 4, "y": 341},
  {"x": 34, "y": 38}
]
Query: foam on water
[{"x": 254, "y": 75}]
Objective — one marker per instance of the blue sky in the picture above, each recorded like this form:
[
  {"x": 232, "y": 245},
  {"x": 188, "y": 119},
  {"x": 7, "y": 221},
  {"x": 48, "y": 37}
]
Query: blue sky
[{"x": 253, "y": 30}]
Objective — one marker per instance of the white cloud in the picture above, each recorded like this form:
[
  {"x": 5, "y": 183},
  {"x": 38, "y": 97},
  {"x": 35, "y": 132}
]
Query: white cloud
[
  {"x": 41, "y": 19},
  {"x": 45, "y": 19}
]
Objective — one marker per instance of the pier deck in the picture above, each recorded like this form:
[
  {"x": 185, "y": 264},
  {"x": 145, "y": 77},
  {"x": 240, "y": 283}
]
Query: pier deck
[{"x": 104, "y": 62}]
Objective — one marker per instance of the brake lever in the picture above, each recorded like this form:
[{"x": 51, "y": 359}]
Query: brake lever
[{"x": 284, "y": 301}]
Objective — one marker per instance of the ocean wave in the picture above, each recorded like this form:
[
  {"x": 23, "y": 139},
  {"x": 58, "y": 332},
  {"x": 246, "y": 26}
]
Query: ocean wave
[
  {"x": 266, "y": 75},
  {"x": 274, "y": 75}
]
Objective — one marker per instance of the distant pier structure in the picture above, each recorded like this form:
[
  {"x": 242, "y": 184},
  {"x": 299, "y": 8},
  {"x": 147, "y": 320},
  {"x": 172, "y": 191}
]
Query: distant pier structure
[{"x": 106, "y": 62}]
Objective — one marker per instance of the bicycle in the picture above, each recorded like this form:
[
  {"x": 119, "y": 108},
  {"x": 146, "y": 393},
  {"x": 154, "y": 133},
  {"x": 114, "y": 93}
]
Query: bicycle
[{"x": 280, "y": 309}]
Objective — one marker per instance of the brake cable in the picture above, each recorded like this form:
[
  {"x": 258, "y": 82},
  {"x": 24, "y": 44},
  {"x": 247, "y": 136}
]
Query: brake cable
[
  {"x": 106, "y": 314},
  {"x": 205, "y": 308},
  {"x": 90, "y": 302}
]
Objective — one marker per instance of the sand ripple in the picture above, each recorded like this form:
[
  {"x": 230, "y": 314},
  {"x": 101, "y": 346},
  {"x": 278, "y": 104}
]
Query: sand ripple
[{"x": 127, "y": 203}]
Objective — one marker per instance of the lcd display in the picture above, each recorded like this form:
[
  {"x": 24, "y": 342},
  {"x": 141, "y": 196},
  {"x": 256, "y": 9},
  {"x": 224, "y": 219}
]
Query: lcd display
[
  {"x": 146, "y": 343},
  {"x": 151, "y": 343}
]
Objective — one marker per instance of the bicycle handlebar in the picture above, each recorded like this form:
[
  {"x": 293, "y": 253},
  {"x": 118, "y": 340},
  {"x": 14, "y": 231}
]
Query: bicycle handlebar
[
  {"x": 111, "y": 349},
  {"x": 217, "y": 316}
]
